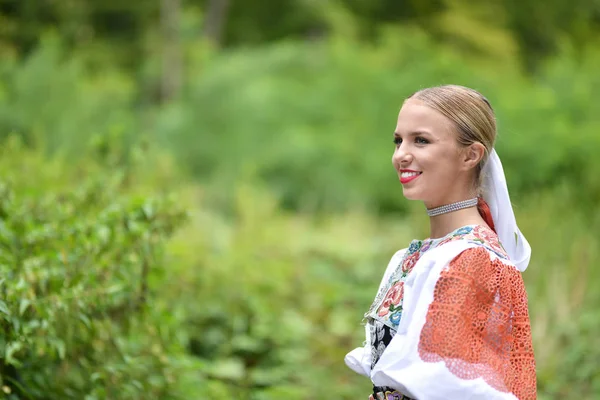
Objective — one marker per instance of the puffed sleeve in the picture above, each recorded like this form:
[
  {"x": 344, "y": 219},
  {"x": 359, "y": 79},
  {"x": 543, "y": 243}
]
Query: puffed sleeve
[
  {"x": 359, "y": 359},
  {"x": 465, "y": 333}
]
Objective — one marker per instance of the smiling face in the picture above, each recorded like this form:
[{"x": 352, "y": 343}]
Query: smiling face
[{"x": 430, "y": 163}]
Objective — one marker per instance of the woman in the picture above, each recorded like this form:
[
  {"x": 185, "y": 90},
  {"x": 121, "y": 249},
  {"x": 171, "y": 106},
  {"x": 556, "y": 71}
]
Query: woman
[{"x": 450, "y": 319}]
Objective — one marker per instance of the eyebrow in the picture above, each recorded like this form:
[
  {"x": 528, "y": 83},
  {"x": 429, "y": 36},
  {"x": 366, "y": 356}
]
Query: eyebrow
[{"x": 414, "y": 133}]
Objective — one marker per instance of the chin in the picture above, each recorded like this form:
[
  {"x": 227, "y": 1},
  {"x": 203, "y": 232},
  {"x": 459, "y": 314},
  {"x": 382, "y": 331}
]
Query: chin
[{"x": 411, "y": 195}]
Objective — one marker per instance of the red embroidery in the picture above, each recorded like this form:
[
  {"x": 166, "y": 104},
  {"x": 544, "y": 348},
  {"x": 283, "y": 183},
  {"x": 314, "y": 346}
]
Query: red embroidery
[
  {"x": 393, "y": 297},
  {"x": 478, "y": 324}
]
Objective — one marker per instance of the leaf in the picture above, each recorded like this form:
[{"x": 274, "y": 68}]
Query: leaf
[
  {"x": 4, "y": 308},
  {"x": 59, "y": 345},
  {"x": 148, "y": 210},
  {"x": 96, "y": 376},
  {"x": 114, "y": 289},
  {"x": 21, "y": 284},
  {"x": 103, "y": 233},
  {"x": 137, "y": 384},
  {"x": 12, "y": 348},
  {"x": 23, "y": 305},
  {"x": 86, "y": 321},
  {"x": 232, "y": 369}
]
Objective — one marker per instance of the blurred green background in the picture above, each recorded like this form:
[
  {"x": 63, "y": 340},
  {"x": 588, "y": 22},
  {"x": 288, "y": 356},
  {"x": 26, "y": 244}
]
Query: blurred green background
[{"x": 197, "y": 199}]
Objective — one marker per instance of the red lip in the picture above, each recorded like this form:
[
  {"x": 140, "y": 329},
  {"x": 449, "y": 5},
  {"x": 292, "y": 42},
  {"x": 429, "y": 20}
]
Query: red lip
[{"x": 410, "y": 178}]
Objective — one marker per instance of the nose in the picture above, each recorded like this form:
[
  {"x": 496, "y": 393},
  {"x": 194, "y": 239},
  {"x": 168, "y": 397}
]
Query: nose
[{"x": 401, "y": 156}]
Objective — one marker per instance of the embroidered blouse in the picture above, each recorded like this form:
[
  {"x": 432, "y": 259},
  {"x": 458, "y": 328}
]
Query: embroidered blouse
[{"x": 450, "y": 321}]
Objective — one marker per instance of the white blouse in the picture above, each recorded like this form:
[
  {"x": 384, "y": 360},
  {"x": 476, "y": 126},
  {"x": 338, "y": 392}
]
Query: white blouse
[{"x": 458, "y": 307}]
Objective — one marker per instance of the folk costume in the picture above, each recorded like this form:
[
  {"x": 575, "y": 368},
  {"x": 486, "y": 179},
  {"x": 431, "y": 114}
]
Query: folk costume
[{"x": 450, "y": 319}]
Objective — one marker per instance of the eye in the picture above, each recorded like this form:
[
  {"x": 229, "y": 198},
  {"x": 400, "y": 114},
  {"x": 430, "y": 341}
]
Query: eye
[
  {"x": 397, "y": 141},
  {"x": 421, "y": 140}
]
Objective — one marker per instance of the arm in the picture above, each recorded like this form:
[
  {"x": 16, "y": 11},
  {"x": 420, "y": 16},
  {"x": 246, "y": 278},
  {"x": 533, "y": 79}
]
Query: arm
[
  {"x": 359, "y": 359},
  {"x": 466, "y": 333}
]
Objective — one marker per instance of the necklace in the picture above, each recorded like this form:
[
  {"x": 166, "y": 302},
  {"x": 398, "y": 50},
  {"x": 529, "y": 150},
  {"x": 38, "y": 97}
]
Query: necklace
[{"x": 459, "y": 205}]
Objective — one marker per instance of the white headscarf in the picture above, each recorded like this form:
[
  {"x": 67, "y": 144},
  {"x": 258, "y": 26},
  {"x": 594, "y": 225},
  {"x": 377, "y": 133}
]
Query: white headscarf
[{"x": 495, "y": 193}]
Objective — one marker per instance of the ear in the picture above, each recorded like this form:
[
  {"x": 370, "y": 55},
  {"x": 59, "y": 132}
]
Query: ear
[{"x": 472, "y": 155}]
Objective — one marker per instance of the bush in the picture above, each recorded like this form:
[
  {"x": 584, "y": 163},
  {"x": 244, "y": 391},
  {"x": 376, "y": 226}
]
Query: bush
[
  {"x": 273, "y": 301},
  {"x": 79, "y": 312},
  {"x": 257, "y": 297},
  {"x": 53, "y": 102}
]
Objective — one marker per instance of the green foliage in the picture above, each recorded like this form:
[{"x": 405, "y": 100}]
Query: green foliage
[
  {"x": 280, "y": 154},
  {"x": 283, "y": 295},
  {"x": 78, "y": 315},
  {"x": 562, "y": 301},
  {"x": 49, "y": 98},
  {"x": 315, "y": 121},
  {"x": 119, "y": 31}
]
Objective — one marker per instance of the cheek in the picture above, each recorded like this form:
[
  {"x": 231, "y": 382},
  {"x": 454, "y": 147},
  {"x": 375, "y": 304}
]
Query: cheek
[{"x": 442, "y": 168}]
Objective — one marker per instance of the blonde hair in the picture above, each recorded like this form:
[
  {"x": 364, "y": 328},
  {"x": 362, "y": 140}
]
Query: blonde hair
[{"x": 470, "y": 112}]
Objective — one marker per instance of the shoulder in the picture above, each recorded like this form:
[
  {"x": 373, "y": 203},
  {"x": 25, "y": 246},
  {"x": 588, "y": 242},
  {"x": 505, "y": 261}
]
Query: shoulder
[
  {"x": 481, "y": 238},
  {"x": 396, "y": 259},
  {"x": 485, "y": 272},
  {"x": 394, "y": 262},
  {"x": 476, "y": 258},
  {"x": 399, "y": 255}
]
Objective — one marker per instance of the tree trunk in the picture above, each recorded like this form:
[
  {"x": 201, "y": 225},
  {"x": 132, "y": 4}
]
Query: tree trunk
[
  {"x": 170, "y": 11},
  {"x": 216, "y": 16}
]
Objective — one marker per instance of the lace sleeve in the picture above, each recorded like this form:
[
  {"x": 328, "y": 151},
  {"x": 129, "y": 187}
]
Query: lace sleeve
[{"x": 478, "y": 324}]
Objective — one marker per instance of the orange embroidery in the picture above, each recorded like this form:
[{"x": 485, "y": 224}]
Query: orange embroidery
[{"x": 478, "y": 324}]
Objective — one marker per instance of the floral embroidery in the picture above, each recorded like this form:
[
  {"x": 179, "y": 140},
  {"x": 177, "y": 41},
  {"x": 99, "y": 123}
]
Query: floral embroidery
[
  {"x": 426, "y": 246},
  {"x": 414, "y": 246},
  {"x": 389, "y": 395},
  {"x": 395, "y": 395},
  {"x": 410, "y": 262},
  {"x": 395, "y": 317},
  {"x": 393, "y": 297},
  {"x": 480, "y": 235},
  {"x": 388, "y": 304},
  {"x": 464, "y": 230}
]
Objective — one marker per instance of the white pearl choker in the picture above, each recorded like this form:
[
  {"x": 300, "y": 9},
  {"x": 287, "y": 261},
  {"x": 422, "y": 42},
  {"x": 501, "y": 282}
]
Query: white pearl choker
[{"x": 459, "y": 205}]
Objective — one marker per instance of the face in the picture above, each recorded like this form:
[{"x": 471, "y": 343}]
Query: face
[{"x": 427, "y": 157}]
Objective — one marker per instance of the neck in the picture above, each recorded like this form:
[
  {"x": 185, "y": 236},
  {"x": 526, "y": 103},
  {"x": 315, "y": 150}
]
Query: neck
[{"x": 443, "y": 224}]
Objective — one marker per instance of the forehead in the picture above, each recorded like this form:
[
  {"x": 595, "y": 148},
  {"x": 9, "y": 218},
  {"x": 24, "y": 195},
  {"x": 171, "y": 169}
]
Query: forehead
[{"x": 415, "y": 116}]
